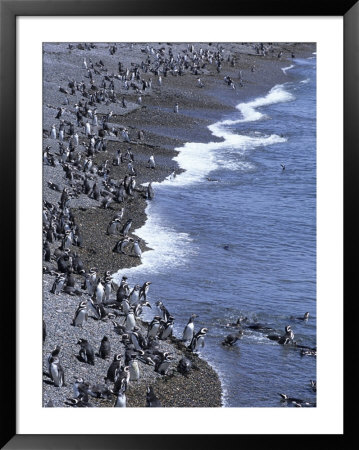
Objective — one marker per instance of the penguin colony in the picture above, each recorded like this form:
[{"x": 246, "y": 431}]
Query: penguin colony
[{"x": 89, "y": 147}]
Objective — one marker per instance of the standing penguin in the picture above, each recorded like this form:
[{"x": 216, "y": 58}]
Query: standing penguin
[
  {"x": 57, "y": 372},
  {"x": 154, "y": 327},
  {"x": 86, "y": 352},
  {"x": 198, "y": 340},
  {"x": 81, "y": 315},
  {"x": 175, "y": 109},
  {"x": 168, "y": 328},
  {"x": 137, "y": 249},
  {"x": 121, "y": 395},
  {"x": 114, "y": 369},
  {"x": 144, "y": 290},
  {"x": 105, "y": 348},
  {"x": 134, "y": 369},
  {"x": 130, "y": 321},
  {"x": 126, "y": 228},
  {"x": 99, "y": 291},
  {"x": 58, "y": 284},
  {"x": 189, "y": 329},
  {"x": 151, "y": 162},
  {"x": 151, "y": 399}
]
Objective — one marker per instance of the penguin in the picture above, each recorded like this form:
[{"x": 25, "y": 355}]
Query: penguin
[
  {"x": 197, "y": 340},
  {"x": 58, "y": 284},
  {"x": 231, "y": 339},
  {"x": 163, "y": 311},
  {"x": 121, "y": 245},
  {"x": 113, "y": 226},
  {"x": 80, "y": 387},
  {"x": 130, "y": 321},
  {"x": 184, "y": 366},
  {"x": 189, "y": 329},
  {"x": 125, "y": 306},
  {"x": 288, "y": 337},
  {"x": 53, "y": 132},
  {"x": 114, "y": 369},
  {"x": 81, "y": 315},
  {"x": 99, "y": 291},
  {"x": 137, "y": 249},
  {"x": 283, "y": 166},
  {"x": 122, "y": 378},
  {"x": 167, "y": 328},
  {"x": 44, "y": 333},
  {"x": 151, "y": 162},
  {"x": 144, "y": 290},
  {"x": 139, "y": 308},
  {"x": 135, "y": 295},
  {"x": 123, "y": 290},
  {"x": 126, "y": 228},
  {"x": 54, "y": 353},
  {"x": 57, "y": 372},
  {"x": 121, "y": 395},
  {"x": 109, "y": 287},
  {"x": 105, "y": 348},
  {"x": 151, "y": 399},
  {"x": 150, "y": 192},
  {"x": 86, "y": 352},
  {"x": 154, "y": 327},
  {"x": 134, "y": 368},
  {"x": 176, "y": 108},
  {"x": 163, "y": 364}
]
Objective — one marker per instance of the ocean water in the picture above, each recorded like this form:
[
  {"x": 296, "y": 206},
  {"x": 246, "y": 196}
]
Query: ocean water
[{"x": 236, "y": 235}]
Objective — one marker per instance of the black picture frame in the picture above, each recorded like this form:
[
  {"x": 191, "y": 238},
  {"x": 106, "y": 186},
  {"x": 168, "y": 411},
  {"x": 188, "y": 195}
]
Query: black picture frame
[{"x": 9, "y": 10}]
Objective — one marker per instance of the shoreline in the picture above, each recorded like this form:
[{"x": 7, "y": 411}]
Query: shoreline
[{"x": 164, "y": 132}]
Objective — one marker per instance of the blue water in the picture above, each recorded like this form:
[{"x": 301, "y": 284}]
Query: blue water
[{"x": 244, "y": 242}]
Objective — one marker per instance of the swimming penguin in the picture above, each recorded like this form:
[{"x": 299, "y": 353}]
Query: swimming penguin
[
  {"x": 154, "y": 327},
  {"x": 197, "y": 340},
  {"x": 189, "y": 329},
  {"x": 151, "y": 399},
  {"x": 86, "y": 352},
  {"x": 58, "y": 284},
  {"x": 283, "y": 166},
  {"x": 288, "y": 337},
  {"x": 305, "y": 317},
  {"x": 105, "y": 348},
  {"x": 81, "y": 315},
  {"x": 114, "y": 369},
  {"x": 231, "y": 339},
  {"x": 57, "y": 372}
]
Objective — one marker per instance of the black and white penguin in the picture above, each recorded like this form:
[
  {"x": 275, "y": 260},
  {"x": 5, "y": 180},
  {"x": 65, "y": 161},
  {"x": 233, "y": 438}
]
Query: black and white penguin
[
  {"x": 121, "y": 395},
  {"x": 288, "y": 337},
  {"x": 231, "y": 339},
  {"x": 144, "y": 290},
  {"x": 162, "y": 365},
  {"x": 163, "y": 310},
  {"x": 136, "y": 248},
  {"x": 126, "y": 228},
  {"x": 81, "y": 315},
  {"x": 189, "y": 329},
  {"x": 57, "y": 372},
  {"x": 135, "y": 295},
  {"x": 198, "y": 340},
  {"x": 167, "y": 329},
  {"x": 58, "y": 284},
  {"x": 151, "y": 162},
  {"x": 154, "y": 327},
  {"x": 86, "y": 352},
  {"x": 151, "y": 399},
  {"x": 114, "y": 369},
  {"x": 113, "y": 226},
  {"x": 105, "y": 348},
  {"x": 134, "y": 368},
  {"x": 184, "y": 366}
]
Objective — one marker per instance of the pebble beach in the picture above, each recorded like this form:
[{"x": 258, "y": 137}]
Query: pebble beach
[{"x": 129, "y": 90}]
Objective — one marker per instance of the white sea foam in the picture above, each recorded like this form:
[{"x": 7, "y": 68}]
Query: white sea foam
[
  {"x": 305, "y": 81},
  {"x": 284, "y": 69},
  {"x": 170, "y": 248}
]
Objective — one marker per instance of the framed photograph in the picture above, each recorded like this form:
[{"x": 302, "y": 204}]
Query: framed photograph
[{"x": 190, "y": 197}]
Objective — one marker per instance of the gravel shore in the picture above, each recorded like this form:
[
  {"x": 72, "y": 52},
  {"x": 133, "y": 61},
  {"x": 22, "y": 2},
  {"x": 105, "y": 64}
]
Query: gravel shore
[{"x": 153, "y": 129}]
